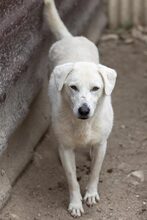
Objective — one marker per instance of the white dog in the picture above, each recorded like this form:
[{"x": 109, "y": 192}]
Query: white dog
[{"x": 80, "y": 94}]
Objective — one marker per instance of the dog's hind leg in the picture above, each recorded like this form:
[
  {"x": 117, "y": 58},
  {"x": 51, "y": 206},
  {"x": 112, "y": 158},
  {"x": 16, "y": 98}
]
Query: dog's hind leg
[
  {"x": 67, "y": 156},
  {"x": 91, "y": 196}
]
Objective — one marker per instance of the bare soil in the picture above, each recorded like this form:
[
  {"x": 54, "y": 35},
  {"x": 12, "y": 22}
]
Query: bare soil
[{"x": 41, "y": 193}]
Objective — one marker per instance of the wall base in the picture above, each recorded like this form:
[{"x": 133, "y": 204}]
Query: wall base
[{"x": 22, "y": 143}]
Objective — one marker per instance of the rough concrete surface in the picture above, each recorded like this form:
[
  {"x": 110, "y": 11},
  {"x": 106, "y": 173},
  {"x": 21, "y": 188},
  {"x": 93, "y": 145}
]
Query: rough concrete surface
[
  {"x": 21, "y": 144},
  {"x": 41, "y": 193}
]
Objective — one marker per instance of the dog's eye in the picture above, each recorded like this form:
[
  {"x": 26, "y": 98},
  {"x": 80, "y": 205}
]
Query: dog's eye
[
  {"x": 94, "y": 89},
  {"x": 74, "y": 87}
]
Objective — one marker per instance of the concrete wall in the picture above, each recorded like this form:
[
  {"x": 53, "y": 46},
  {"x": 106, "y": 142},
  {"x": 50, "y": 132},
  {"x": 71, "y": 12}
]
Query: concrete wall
[{"x": 24, "y": 107}]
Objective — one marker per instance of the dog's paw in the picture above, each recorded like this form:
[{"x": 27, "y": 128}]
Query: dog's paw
[
  {"x": 76, "y": 209},
  {"x": 91, "y": 198}
]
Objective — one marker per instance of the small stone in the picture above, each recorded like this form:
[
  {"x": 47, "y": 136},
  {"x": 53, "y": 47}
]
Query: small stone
[
  {"x": 110, "y": 208},
  {"x": 122, "y": 126},
  {"x": 135, "y": 177},
  {"x": 129, "y": 41},
  {"x": 138, "y": 174},
  {"x": 39, "y": 215},
  {"x": 109, "y": 37},
  {"x": 13, "y": 216},
  {"x": 139, "y": 35}
]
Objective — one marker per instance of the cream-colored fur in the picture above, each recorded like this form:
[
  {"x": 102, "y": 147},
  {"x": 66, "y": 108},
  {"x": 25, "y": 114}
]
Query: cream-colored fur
[{"x": 79, "y": 80}]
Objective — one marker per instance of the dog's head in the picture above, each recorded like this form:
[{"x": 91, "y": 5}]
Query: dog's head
[{"x": 82, "y": 84}]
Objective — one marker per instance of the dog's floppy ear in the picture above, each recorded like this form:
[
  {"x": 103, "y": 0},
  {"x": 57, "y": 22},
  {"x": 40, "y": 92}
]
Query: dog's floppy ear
[
  {"x": 109, "y": 77},
  {"x": 60, "y": 73}
]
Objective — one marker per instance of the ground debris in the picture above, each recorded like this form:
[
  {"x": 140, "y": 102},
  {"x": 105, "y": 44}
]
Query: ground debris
[
  {"x": 122, "y": 126},
  {"x": 124, "y": 167},
  {"x": 143, "y": 209},
  {"x": 138, "y": 174},
  {"x": 108, "y": 37},
  {"x": 129, "y": 41},
  {"x": 110, "y": 170},
  {"x": 10, "y": 216},
  {"x": 136, "y": 177},
  {"x": 139, "y": 34}
]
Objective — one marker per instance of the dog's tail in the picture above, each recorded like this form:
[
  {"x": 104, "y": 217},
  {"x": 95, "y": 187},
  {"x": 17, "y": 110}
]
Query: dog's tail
[{"x": 54, "y": 21}]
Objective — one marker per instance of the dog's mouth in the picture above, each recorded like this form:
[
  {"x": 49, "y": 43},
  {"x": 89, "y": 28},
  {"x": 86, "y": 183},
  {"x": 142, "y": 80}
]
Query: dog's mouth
[{"x": 83, "y": 117}]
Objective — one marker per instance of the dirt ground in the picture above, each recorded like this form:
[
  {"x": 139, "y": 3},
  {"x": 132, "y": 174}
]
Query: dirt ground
[{"x": 41, "y": 193}]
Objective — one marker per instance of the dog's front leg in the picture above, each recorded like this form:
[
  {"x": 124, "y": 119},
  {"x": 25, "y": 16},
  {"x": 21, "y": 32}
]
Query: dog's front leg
[
  {"x": 91, "y": 196},
  {"x": 67, "y": 156}
]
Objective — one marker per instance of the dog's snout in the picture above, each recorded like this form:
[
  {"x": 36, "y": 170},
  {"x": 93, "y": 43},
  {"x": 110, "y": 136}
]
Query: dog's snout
[{"x": 84, "y": 111}]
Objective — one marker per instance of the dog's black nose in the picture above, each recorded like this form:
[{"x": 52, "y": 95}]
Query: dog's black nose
[{"x": 84, "y": 111}]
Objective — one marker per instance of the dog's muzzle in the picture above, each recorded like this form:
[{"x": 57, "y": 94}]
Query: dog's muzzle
[{"x": 84, "y": 111}]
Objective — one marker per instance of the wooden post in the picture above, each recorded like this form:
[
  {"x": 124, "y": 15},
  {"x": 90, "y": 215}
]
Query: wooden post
[
  {"x": 125, "y": 13},
  {"x": 113, "y": 10},
  {"x": 137, "y": 6}
]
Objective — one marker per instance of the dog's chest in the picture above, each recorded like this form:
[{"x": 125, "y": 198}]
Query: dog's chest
[
  {"x": 87, "y": 135},
  {"x": 84, "y": 135},
  {"x": 80, "y": 135}
]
